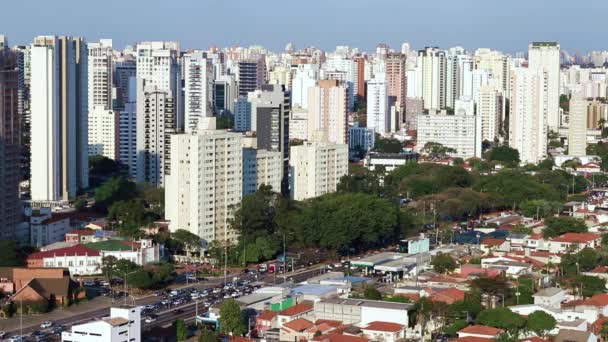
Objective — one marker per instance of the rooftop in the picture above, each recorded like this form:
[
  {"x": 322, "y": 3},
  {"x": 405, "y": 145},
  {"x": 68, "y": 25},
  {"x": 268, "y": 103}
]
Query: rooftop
[
  {"x": 297, "y": 309},
  {"x": 384, "y": 326},
  {"x": 576, "y": 237},
  {"x": 77, "y": 250},
  {"x": 480, "y": 330},
  {"x": 547, "y": 292}
]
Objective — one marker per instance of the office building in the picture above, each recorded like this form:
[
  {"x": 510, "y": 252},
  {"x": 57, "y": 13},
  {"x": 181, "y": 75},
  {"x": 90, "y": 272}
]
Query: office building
[
  {"x": 461, "y": 131},
  {"x": 123, "y": 324},
  {"x": 242, "y": 114},
  {"x": 327, "y": 112},
  {"x": 577, "y": 131},
  {"x": 127, "y": 129},
  {"x": 224, "y": 94},
  {"x": 206, "y": 182},
  {"x": 251, "y": 75},
  {"x": 261, "y": 167},
  {"x": 10, "y": 135},
  {"x": 360, "y": 138},
  {"x": 378, "y": 115},
  {"x": 156, "y": 121},
  {"x": 123, "y": 71},
  {"x": 528, "y": 114},
  {"x": 198, "y": 88},
  {"x": 316, "y": 169},
  {"x": 395, "y": 78},
  {"x": 59, "y": 139},
  {"x": 544, "y": 57},
  {"x": 432, "y": 65}
]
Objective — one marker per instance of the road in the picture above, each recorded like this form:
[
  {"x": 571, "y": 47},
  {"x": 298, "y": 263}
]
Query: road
[{"x": 169, "y": 315}]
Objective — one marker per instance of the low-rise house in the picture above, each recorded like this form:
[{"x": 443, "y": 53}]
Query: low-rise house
[
  {"x": 577, "y": 324},
  {"x": 495, "y": 246},
  {"x": 295, "y": 330},
  {"x": 591, "y": 167},
  {"x": 384, "y": 331},
  {"x": 570, "y": 314},
  {"x": 78, "y": 259},
  {"x": 142, "y": 252},
  {"x": 600, "y": 272},
  {"x": 301, "y": 310},
  {"x": 509, "y": 265},
  {"x": 480, "y": 331},
  {"x": 80, "y": 236},
  {"x": 573, "y": 242},
  {"x": 265, "y": 321},
  {"x": 361, "y": 311},
  {"x": 124, "y": 323},
  {"x": 41, "y": 285},
  {"x": 448, "y": 296},
  {"x": 567, "y": 335},
  {"x": 47, "y": 228},
  {"x": 551, "y": 296},
  {"x": 337, "y": 337}
]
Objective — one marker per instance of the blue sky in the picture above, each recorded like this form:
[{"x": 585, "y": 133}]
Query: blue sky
[{"x": 502, "y": 24}]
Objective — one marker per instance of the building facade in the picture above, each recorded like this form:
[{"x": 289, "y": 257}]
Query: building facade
[
  {"x": 261, "y": 167},
  {"x": 198, "y": 88},
  {"x": 461, "y": 132},
  {"x": 328, "y": 112}
]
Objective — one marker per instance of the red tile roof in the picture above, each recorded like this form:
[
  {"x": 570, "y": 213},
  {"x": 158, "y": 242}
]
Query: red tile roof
[
  {"x": 492, "y": 242},
  {"x": 597, "y": 300},
  {"x": 267, "y": 315},
  {"x": 596, "y": 327},
  {"x": 537, "y": 236},
  {"x": 335, "y": 337},
  {"x": 298, "y": 325},
  {"x": 448, "y": 296},
  {"x": 85, "y": 232},
  {"x": 576, "y": 237},
  {"x": 534, "y": 339},
  {"x": 77, "y": 250},
  {"x": 480, "y": 330},
  {"x": 600, "y": 269},
  {"x": 384, "y": 326},
  {"x": 330, "y": 322},
  {"x": 473, "y": 339},
  {"x": 297, "y": 309}
]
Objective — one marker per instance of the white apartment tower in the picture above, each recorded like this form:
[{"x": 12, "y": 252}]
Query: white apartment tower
[
  {"x": 577, "y": 132},
  {"x": 489, "y": 108},
  {"x": 432, "y": 63},
  {"x": 206, "y": 182},
  {"x": 498, "y": 66},
  {"x": 100, "y": 74},
  {"x": 59, "y": 156},
  {"x": 328, "y": 112},
  {"x": 528, "y": 114},
  {"x": 316, "y": 169},
  {"x": 127, "y": 140},
  {"x": 156, "y": 122},
  {"x": 198, "y": 88},
  {"x": 544, "y": 56},
  {"x": 461, "y": 131},
  {"x": 378, "y": 117},
  {"x": 261, "y": 167}
]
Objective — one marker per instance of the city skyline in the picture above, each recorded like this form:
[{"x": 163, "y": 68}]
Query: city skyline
[{"x": 365, "y": 24}]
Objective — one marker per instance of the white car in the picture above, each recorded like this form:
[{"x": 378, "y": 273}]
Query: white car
[
  {"x": 16, "y": 338},
  {"x": 46, "y": 324},
  {"x": 2, "y": 334}
]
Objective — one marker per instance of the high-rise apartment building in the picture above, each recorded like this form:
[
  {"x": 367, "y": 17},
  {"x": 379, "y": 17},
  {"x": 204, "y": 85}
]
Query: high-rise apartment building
[
  {"x": 498, "y": 65},
  {"x": 206, "y": 182},
  {"x": 198, "y": 88},
  {"x": 489, "y": 108},
  {"x": 251, "y": 75},
  {"x": 127, "y": 140},
  {"x": 595, "y": 112},
  {"x": 461, "y": 131},
  {"x": 242, "y": 114},
  {"x": 123, "y": 71},
  {"x": 305, "y": 77},
  {"x": 544, "y": 56},
  {"x": 59, "y": 139},
  {"x": 102, "y": 120},
  {"x": 316, "y": 169},
  {"x": 459, "y": 78},
  {"x": 395, "y": 65},
  {"x": 577, "y": 131},
  {"x": 432, "y": 64},
  {"x": 378, "y": 117},
  {"x": 528, "y": 114},
  {"x": 327, "y": 112},
  {"x": 224, "y": 94},
  {"x": 156, "y": 122},
  {"x": 261, "y": 167},
  {"x": 10, "y": 136}
]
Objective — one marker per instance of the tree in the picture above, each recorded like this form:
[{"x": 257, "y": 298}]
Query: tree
[
  {"x": 443, "y": 263},
  {"x": 372, "y": 293},
  {"x": 11, "y": 254},
  {"x": 181, "y": 332},
  {"x": 114, "y": 190},
  {"x": 556, "y": 226},
  {"x": 108, "y": 263},
  {"x": 490, "y": 286},
  {"x": 140, "y": 279},
  {"x": 540, "y": 323},
  {"x": 80, "y": 204},
  {"x": 502, "y": 318},
  {"x": 437, "y": 151},
  {"x": 387, "y": 145},
  {"x": 128, "y": 213},
  {"x": 230, "y": 319},
  {"x": 590, "y": 285},
  {"x": 225, "y": 121},
  {"x": 456, "y": 326},
  {"x": 186, "y": 239},
  {"x": 540, "y": 207},
  {"x": 521, "y": 229},
  {"x": 504, "y": 155},
  {"x": 207, "y": 335}
]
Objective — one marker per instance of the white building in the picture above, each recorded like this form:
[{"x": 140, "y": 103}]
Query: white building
[
  {"x": 577, "y": 131},
  {"x": 316, "y": 169},
  {"x": 206, "y": 182},
  {"x": 261, "y": 167},
  {"x": 489, "y": 108},
  {"x": 432, "y": 65},
  {"x": 59, "y": 154},
  {"x": 124, "y": 324},
  {"x": 378, "y": 116},
  {"x": 100, "y": 74},
  {"x": 127, "y": 129},
  {"x": 305, "y": 77},
  {"x": 198, "y": 88},
  {"x": 298, "y": 124},
  {"x": 498, "y": 65},
  {"x": 225, "y": 92},
  {"x": 327, "y": 112},
  {"x": 156, "y": 120},
  {"x": 458, "y": 131},
  {"x": 103, "y": 132},
  {"x": 47, "y": 228},
  {"x": 544, "y": 57},
  {"x": 528, "y": 114}
]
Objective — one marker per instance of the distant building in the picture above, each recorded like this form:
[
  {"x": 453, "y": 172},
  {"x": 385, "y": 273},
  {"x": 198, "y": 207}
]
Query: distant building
[
  {"x": 251, "y": 74},
  {"x": 577, "y": 131},
  {"x": 198, "y": 88},
  {"x": 388, "y": 161},
  {"x": 124, "y": 323},
  {"x": 261, "y": 167},
  {"x": 461, "y": 131},
  {"x": 544, "y": 57},
  {"x": 360, "y": 138}
]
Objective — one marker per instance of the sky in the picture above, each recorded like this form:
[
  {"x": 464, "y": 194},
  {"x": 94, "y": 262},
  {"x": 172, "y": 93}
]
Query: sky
[{"x": 507, "y": 25}]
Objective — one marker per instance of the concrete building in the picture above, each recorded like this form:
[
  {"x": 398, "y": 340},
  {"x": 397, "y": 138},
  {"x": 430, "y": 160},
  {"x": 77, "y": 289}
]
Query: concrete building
[
  {"x": 459, "y": 78},
  {"x": 378, "y": 115},
  {"x": 432, "y": 64},
  {"x": 47, "y": 228},
  {"x": 103, "y": 132},
  {"x": 595, "y": 112},
  {"x": 361, "y": 311},
  {"x": 360, "y": 138},
  {"x": 124, "y": 324},
  {"x": 59, "y": 138},
  {"x": 528, "y": 114},
  {"x": 298, "y": 124},
  {"x": 388, "y": 161},
  {"x": 544, "y": 57},
  {"x": 10, "y": 134},
  {"x": 206, "y": 182},
  {"x": 498, "y": 65},
  {"x": 461, "y": 131},
  {"x": 577, "y": 131},
  {"x": 306, "y": 76},
  {"x": 395, "y": 65},
  {"x": 316, "y": 169},
  {"x": 251, "y": 75},
  {"x": 242, "y": 114},
  {"x": 261, "y": 167},
  {"x": 225, "y": 93},
  {"x": 100, "y": 67},
  {"x": 127, "y": 129},
  {"x": 198, "y": 88},
  {"x": 123, "y": 71},
  {"x": 327, "y": 112},
  {"x": 349, "y": 70},
  {"x": 489, "y": 108}
]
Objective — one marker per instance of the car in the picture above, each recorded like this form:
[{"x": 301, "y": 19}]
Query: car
[
  {"x": 151, "y": 318},
  {"x": 178, "y": 311},
  {"x": 89, "y": 283},
  {"x": 16, "y": 338},
  {"x": 46, "y": 324}
]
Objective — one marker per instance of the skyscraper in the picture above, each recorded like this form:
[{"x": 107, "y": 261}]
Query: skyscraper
[
  {"x": 377, "y": 104},
  {"x": 577, "y": 132},
  {"x": 251, "y": 75},
  {"x": 544, "y": 56},
  {"x": 528, "y": 114},
  {"x": 127, "y": 140},
  {"x": 102, "y": 120},
  {"x": 9, "y": 143},
  {"x": 395, "y": 79},
  {"x": 432, "y": 62},
  {"x": 198, "y": 88},
  {"x": 59, "y": 162},
  {"x": 327, "y": 112},
  {"x": 123, "y": 71},
  {"x": 489, "y": 108}
]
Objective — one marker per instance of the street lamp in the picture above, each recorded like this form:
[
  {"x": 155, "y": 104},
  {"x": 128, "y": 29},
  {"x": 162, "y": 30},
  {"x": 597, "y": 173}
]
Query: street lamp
[{"x": 126, "y": 274}]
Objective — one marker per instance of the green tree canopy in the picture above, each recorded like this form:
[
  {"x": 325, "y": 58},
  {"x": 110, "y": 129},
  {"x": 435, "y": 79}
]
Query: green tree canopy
[
  {"x": 437, "y": 151},
  {"x": 540, "y": 207},
  {"x": 540, "y": 323},
  {"x": 230, "y": 319},
  {"x": 114, "y": 190},
  {"x": 181, "y": 332},
  {"x": 502, "y": 318},
  {"x": 372, "y": 293},
  {"x": 443, "y": 263},
  {"x": 504, "y": 155},
  {"x": 387, "y": 145},
  {"x": 556, "y": 226}
]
